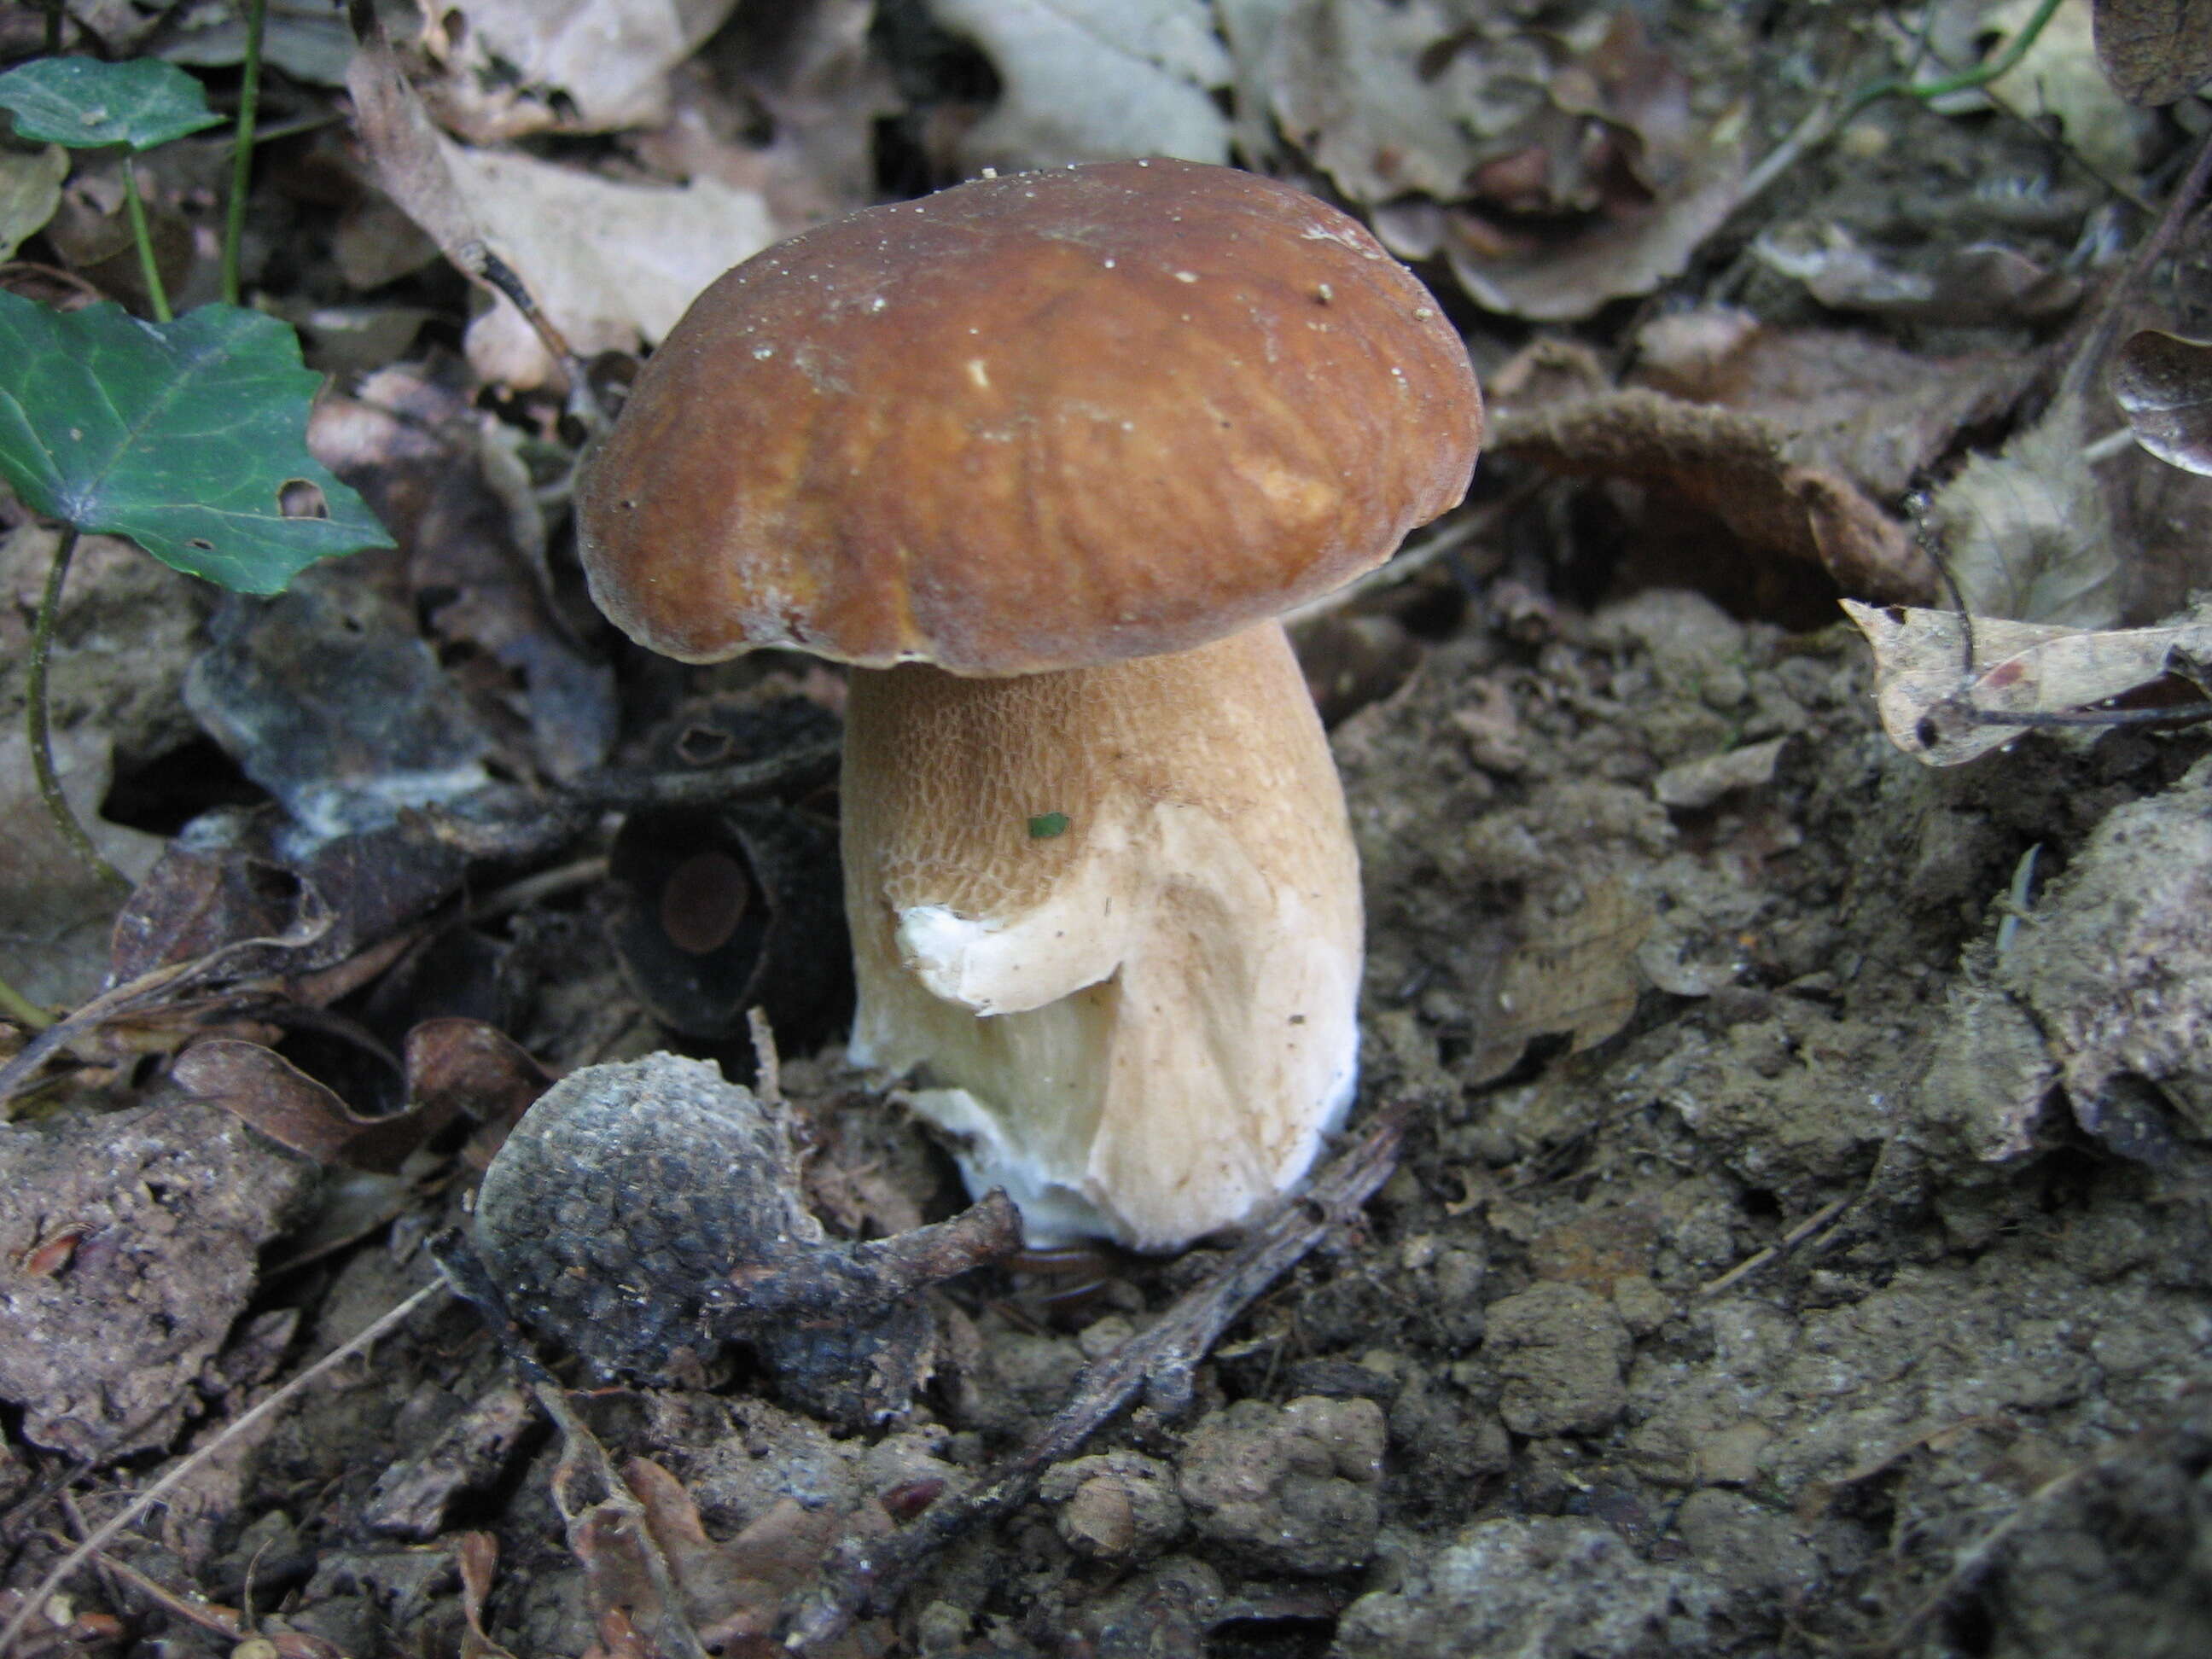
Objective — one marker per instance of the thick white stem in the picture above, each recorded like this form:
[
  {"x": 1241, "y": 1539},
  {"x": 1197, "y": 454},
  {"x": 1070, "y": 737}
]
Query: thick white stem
[{"x": 1142, "y": 1023}]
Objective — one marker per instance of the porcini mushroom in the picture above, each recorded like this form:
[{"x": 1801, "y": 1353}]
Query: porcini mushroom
[{"x": 1043, "y": 457}]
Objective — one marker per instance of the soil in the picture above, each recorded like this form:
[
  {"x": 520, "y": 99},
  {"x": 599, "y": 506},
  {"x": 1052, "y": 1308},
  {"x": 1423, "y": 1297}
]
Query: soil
[{"x": 1803, "y": 1241}]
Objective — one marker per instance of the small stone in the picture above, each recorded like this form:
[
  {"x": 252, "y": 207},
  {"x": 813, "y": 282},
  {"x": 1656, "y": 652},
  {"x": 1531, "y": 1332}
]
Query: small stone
[{"x": 940, "y": 1627}]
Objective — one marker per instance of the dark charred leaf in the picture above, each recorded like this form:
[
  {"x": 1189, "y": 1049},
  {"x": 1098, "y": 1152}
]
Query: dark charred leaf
[
  {"x": 326, "y": 698},
  {"x": 237, "y": 877},
  {"x": 264, "y": 1089},
  {"x": 468, "y": 1066},
  {"x": 474, "y": 541},
  {"x": 2164, "y": 384},
  {"x": 2154, "y": 51},
  {"x": 713, "y": 912}
]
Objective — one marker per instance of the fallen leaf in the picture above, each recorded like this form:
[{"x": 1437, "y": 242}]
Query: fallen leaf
[
  {"x": 508, "y": 67},
  {"x": 477, "y": 1555},
  {"x": 1695, "y": 784},
  {"x": 1575, "y": 975},
  {"x": 427, "y": 460},
  {"x": 2155, "y": 51},
  {"x": 2028, "y": 532},
  {"x": 1845, "y": 400},
  {"x": 1093, "y": 81},
  {"x": 1981, "y": 283},
  {"x": 2058, "y": 79},
  {"x": 260, "y": 1086},
  {"x": 2163, "y": 384},
  {"x": 1935, "y": 705},
  {"x": 612, "y": 264}
]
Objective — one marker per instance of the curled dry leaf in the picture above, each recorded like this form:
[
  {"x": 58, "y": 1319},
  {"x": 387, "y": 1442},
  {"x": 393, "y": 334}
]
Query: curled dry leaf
[
  {"x": 612, "y": 264},
  {"x": 261, "y": 1087},
  {"x": 1093, "y": 81},
  {"x": 2154, "y": 50},
  {"x": 1981, "y": 283},
  {"x": 513, "y": 67},
  {"x": 1846, "y": 400},
  {"x": 2163, "y": 384},
  {"x": 1938, "y": 708},
  {"x": 1734, "y": 466},
  {"x": 2028, "y": 531}
]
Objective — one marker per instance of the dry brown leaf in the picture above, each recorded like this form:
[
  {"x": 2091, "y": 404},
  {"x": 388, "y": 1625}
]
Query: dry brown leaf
[
  {"x": 2154, "y": 50},
  {"x": 1736, "y": 467},
  {"x": 1982, "y": 282},
  {"x": 1093, "y": 81},
  {"x": 2163, "y": 384},
  {"x": 260, "y": 1086},
  {"x": 612, "y": 264},
  {"x": 1846, "y": 401},
  {"x": 513, "y": 67},
  {"x": 1576, "y": 976},
  {"x": 2028, "y": 532},
  {"x": 1934, "y": 707}
]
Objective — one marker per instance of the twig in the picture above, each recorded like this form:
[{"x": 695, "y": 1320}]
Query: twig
[
  {"x": 1781, "y": 1246},
  {"x": 241, "y": 160},
  {"x": 868, "y": 1574},
  {"x": 143, "y": 1501},
  {"x": 635, "y": 787}
]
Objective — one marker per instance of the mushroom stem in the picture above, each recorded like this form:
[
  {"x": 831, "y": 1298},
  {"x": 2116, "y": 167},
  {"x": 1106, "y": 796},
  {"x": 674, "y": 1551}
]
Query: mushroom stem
[{"x": 1112, "y": 916}]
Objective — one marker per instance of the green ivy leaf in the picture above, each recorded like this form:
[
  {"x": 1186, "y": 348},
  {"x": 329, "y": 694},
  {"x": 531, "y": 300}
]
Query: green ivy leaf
[
  {"x": 181, "y": 435},
  {"x": 86, "y": 104}
]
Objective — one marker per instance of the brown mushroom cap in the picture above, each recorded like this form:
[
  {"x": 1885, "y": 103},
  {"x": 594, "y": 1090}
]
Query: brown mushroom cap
[{"x": 1037, "y": 421}]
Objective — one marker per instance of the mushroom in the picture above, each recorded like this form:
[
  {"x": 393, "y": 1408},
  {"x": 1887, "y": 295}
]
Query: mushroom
[{"x": 1044, "y": 456}]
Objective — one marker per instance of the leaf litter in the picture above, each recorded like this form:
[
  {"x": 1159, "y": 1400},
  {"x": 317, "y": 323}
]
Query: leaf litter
[{"x": 1727, "y": 1033}]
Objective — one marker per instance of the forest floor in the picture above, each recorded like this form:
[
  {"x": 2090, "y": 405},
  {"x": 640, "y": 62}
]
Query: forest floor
[{"x": 1800, "y": 1241}]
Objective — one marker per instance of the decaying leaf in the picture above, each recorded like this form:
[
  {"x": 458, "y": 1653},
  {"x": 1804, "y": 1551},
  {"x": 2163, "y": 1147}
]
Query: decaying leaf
[
  {"x": 1845, "y": 399},
  {"x": 2155, "y": 51},
  {"x": 1981, "y": 283},
  {"x": 1575, "y": 974},
  {"x": 1093, "y": 81},
  {"x": 2058, "y": 80},
  {"x": 2163, "y": 384},
  {"x": 513, "y": 67},
  {"x": 612, "y": 264},
  {"x": 1734, "y": 466},
  {"x": 1936, "y": 707},
  {"x": 261, "y": 1087},
  {"x": 2028, "y": 532}
]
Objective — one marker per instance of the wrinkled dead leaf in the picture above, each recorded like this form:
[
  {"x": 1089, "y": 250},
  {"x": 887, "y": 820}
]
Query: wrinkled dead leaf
[
  {"x": 1735, "y": 467},
  {"x": 2027, "y": 533},
  {"x": 1093, "y": 81},
  {"x": 612, "y": 264},
  {"x": 1934, "y": 706},
  {"x": 2058, "y": 79},
  {"x": 1982, "y": 282},
  {"x": 1576, "y": 974},
  {"x": 30, "y": 191},
  {"x": 1849, "y": 402},
  {"x": 326, "y": 697},
  {"x": 477, "y": 1555},
  {"x": 514, "y": 67},
  {"x": 734, "y": 1590},
  {"x": 2155, "y": 51},
  {"x": 2163, "y": 384},
  {"x": 434, "y": 470},
  {"x": 261, "y": 1087}
]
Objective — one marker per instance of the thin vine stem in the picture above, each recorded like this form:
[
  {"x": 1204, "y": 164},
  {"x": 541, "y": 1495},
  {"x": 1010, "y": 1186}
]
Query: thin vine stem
[
  {"x": 14, "y": 1005},
  {"x": 156, "y": 293},
  {"x": 241, "y": 160},
  {"x": 1965, "y": 79},
  {"x": 42, "y": 754}
]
